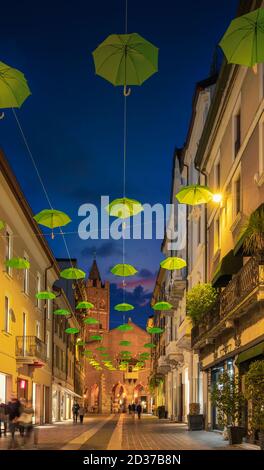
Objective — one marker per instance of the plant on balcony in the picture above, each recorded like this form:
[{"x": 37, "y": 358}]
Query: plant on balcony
[
  {"x": 229, "y": 400},
  {"x": 254, "y": 391},
  {"x": 154, "y": 383},
  {"x": 253, "y": 233},
  {"x": 200, "y": 299}
]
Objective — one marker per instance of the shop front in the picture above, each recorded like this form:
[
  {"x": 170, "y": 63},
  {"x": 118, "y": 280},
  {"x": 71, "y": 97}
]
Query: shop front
[
  {"x": 216, "y": 372},
  {"x": 62, "y": 402}
]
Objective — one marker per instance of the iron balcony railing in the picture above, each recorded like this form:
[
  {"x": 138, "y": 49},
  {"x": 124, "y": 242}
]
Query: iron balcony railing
[{"x": 30, "y": 347}]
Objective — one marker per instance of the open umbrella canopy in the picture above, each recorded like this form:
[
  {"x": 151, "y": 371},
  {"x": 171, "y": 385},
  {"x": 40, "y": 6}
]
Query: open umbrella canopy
[
  {"x": 123, "y": 270},
  {"x": 101, "y": 348},
  {"x": 124, "y": 208},
  {"x": 149, "y": 345},
  {"x": 125, "y": 343},
  {"x": 17, "y": 263},
  {"x": 2, "y": 224},
  {"x": 80, "y": 342},
  {"x": 45, "y": 295},
  {"x": 124, "y": 307},
  {"x": 125, "y": 327},
  {"x": 155, "y": 330},
  {"x": 90, "y": 321},
  {"x": 243, "y": 42},
  {"x": 72, "y": 331},
  {"x": 194, "y": 195},
  {"x": 84, "y": 304},
  {"x": 144, "y": 355},
  {"x": 72, "y": 273},
  {"x": 62, "y": 312},
  {"x": 87, "y": 352},
  {"x": 162, "y": 306},
  {"x": 13, "y": 87},
  {"x": 126, "y": 59},
  {"x": 52, "y": 218},
  {"x": 172, "y": 263},
  {"x": 96, "y": 338}
]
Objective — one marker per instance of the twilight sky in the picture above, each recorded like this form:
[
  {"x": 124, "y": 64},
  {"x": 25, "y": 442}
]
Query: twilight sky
[{"x": 74, "y": 120}]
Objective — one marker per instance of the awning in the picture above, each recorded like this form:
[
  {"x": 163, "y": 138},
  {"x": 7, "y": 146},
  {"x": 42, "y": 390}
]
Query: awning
[
  {"x": 228, "y": 266},
  {"x": 255, "y": 351},
  {"x": 238, "y": 249}
]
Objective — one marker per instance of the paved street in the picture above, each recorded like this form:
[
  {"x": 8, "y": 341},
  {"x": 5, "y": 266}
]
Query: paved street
[{"x": 125, "y": 432}]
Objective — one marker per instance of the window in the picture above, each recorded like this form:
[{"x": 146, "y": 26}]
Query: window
[
  {"x": 237, "y": 132},
  {"x": 217, "y": 175},
  {"x": 38, "y": 289},
  {"x": 48, "y": 344},
  {"x": 237, "y": 196},
  {"x": 38, "y": 329},
  {"x": 7, "y": 315},
  {"x": 217, "y": 234},
  {"x": 9, "y": 248},
  {"x": 26, "y": 277}
]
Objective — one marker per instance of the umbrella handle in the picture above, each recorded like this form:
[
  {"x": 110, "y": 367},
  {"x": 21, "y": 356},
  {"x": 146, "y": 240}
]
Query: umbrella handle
[
  {"x": 2, "y": 115},
  {"x": 127, "y": 91}
]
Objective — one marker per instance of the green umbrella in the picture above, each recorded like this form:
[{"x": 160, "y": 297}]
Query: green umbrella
[
  {"x": 72, "y": 331},
  {"x": 45, "y": 295},
  {"x": 2, "y": 224},
  {"x": 124, "y": 307},
  {"x": 103, "y": 354},
  {"x": 126, "y": 59},
  {"x": 17, "y": 263},
  {"x": 80, "y": 342},
  {"x": 125, "y": 353},
  {"x": 149, "y": 345},
  {"x": 124, "y": 208},
  {"x": 194, "y": 195},
  {"x": 155, "y": 330},
  {"x": 101, "y": 348},
  {"x": 243, "y": 42},
  {"x": 90, "y": 321},
  {"x": 87, "y": 352},
  {"x": 125, "y": 327},
  {"x": 52, "y": 218},
  {"x": 62, "y": 312},
  {"x": 162, "y": 306},
  {"x": 13, "y": 87},
  {"x": 96, "y": 338},
  {"x": 72, "y": 273},
  {"x": 125, "y": 343},
  {"x": 143, "y": 356},
  {"x": 123, "y": 270},
  {"x": 84, "y": 304},
  {"x": 172, "y": 262}
]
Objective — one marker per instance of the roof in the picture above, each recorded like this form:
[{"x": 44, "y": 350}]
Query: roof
[{"x": 94, "y": 274}]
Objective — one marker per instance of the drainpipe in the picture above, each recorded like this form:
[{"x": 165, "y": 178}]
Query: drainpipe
[
  {"x": 205, "y": 223},
  {"x": 45, "y": 309},
  {"x": 187, "y": 233}
]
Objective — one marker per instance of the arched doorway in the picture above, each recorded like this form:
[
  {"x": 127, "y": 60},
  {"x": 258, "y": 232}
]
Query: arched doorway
[
  {"x": 119, "y": 398},
  {"x": 94, "y": 398},
  {"x": 140, "y": 396}
]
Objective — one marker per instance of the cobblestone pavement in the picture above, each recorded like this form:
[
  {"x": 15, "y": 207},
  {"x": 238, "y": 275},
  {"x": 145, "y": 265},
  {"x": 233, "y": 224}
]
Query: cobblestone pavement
[{"x": 128, "y": 433}]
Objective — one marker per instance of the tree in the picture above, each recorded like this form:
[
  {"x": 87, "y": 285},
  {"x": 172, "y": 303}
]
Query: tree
[
  {"x": 254, "y": 391},
  {"x": 200, "y": 299},
  {"x": 253, "y": 233},
  {"x": 228, "y": 399}
]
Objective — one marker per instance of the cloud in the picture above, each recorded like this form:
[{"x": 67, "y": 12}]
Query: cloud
[
  {"x": 104, "y": 251},
  {"x": 145, "y": 273},
  {"x": 139, "y": 298}
]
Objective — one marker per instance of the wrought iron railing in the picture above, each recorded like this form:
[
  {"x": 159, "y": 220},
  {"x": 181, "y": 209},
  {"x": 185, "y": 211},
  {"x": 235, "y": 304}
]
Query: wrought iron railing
[{"x": 30, "y": 346}]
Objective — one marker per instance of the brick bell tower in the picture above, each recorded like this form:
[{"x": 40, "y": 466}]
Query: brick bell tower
[{"x": 98, "y": 293}]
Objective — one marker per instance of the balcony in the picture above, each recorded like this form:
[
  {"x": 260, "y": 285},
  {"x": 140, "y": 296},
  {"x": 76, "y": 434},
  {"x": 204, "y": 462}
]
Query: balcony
[
  {"x": 244, "y": 291},
  {"x": 31, "y": 350},
  {"x": 131, "y": 375},
  {"x": 184, "y": 334},
  {"x": 173, "y": 354},
  {"x": 163, "y": 365},
  {"x": 176, "y": 292}
]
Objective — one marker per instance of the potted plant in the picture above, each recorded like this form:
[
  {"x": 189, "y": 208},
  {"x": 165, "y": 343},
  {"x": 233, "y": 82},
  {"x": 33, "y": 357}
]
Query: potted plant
[
  {"x": 253, "y": 233},
  {"x": 254, "y": 391},
  {"x": 161, "y": 412},
  {"x": 200, "y": 299},
  {"x": 195, "y": 419},
  {"x": 228, "y": 399}
]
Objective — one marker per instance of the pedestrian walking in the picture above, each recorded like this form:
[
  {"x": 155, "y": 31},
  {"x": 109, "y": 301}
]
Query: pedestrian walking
[
  {"x": 81, "y": 413},
  {"x": 13, "y": 411},
  {"x": 133, "y": 409},
  {"x": 25, "y": 421},
  {"x": 75, "y": 411},
  {"x": 3, "y": 418},
  {"x": 139, "y": 410},
  {"x": 129, "y": 408}
]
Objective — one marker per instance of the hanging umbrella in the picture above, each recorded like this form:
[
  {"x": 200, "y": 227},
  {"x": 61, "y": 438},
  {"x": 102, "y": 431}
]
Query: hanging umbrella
[
  {"x": 243, "y": 42},
  {"x": 125, "y": 343},
  {"x": 52, "y": 218},
  {"x": 125, "y": 327},
  {"x": 14, "y": 89},
  {"x": 123, "y": 270},
  {"x": 84, "y": 304},
  {"x": 62, "y": 312},
  {"x": 149, "y": 345},
  {"x": 90, "y": 321},
  {"x": 45, "y": 295},
  {"x": 72, "y": 273},
  {"x": 194, "y": 195},
  {"x": 101, "y": 348},
  {"x": 124, "y": 307},
  {"x": 126, "y": 59},
  {"x": 172, "y": 263},
  {"x": 162, "y": 306},
  {"x": 155, "y": 330},
  {"x": 17, "y": 263},
  {"x": 2, "y": 224},
  {"x": 87, "y": 352},
  {"x": 124, "y": 208},
  {"x": 96, "y": 338},
  {"x": 72, "y": 331},
  {"x": 80, "y": 342}
]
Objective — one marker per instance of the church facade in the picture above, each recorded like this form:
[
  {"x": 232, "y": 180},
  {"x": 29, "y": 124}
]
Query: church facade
[{"x": 111, "y": 391}]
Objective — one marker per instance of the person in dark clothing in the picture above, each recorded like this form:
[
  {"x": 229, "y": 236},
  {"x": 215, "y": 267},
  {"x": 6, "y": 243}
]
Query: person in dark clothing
[
  {"x": 129, "y": 408},
  {"x": 75, "y": 411},
  {"x": 139, "y": 410},
  {"x": 3, "y": 418},
  {"x": 133, "y": 408},
  {"x": 13, "y": 411}
]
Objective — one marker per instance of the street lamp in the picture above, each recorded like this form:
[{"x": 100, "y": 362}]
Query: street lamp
[{"x": 217, "y": 198}]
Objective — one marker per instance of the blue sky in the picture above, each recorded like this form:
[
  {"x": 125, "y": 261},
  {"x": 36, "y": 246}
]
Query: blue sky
[{"x": 74, "y": 120}]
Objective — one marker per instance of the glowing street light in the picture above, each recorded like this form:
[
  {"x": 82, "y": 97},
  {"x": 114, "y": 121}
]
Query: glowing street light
[{"x": 217, "y": 197}]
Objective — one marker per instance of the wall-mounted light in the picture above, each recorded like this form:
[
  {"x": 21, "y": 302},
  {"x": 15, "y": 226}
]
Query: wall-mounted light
[{"x": 217, "y": 198}]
